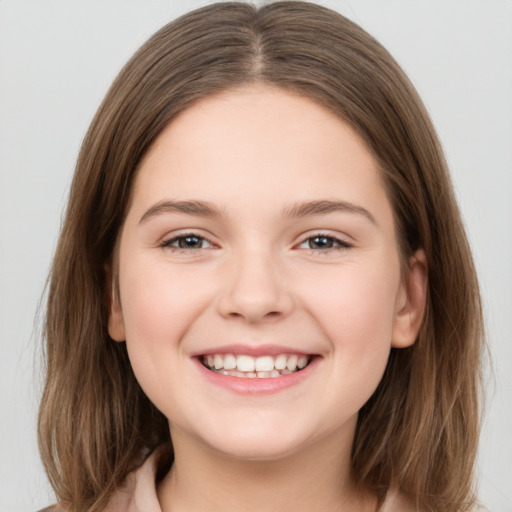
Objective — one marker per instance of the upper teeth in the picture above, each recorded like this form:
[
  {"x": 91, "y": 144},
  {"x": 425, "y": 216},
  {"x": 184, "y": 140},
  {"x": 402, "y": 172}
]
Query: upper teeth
[{"x": 245, "y": 363}]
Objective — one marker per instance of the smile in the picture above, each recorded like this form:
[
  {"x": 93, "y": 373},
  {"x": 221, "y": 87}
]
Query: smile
[{"x": 262, "y": 367}]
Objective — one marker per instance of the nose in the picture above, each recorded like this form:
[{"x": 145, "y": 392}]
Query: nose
[{"x": 255, "y": 289}]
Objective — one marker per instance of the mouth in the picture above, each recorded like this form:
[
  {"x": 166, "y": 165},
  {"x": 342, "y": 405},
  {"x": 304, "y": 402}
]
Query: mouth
[{"x": 261, "y": 367}]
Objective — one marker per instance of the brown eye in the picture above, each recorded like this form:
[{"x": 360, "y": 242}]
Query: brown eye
[
  {"x": 189, "y": 241},
  {"x": 321, "y": 242},
  {"x": 324, "y": 243}
]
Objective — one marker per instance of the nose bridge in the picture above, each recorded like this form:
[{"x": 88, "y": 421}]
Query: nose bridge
[{"x": 256, "y": 287}]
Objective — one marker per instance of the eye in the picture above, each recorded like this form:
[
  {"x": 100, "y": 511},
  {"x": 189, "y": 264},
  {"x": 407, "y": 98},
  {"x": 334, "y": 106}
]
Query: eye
[
  {"x": 322, "y": 242},
  {"x": 187, "y": 241}
]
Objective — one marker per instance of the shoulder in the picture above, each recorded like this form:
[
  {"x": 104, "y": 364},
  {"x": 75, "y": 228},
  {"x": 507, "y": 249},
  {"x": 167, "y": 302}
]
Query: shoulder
[
  {"x": 395, "y": 502},
  {"x": 138, "y": 493}
]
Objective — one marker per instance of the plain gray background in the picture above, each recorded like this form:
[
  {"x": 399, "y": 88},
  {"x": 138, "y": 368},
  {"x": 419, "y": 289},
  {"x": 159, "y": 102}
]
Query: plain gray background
[{"x": 57, "y": 59}]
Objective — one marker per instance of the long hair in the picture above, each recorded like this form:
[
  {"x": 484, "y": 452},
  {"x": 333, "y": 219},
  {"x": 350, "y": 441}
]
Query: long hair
[{"x": 418, "y": 433}]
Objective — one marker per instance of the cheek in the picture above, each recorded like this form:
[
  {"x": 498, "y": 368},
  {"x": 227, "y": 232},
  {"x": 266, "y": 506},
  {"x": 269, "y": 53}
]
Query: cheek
[
  {"x": 356, "y": 313},
  {"x": 356, "y": 308},
  {"x": 158, "y": 307}
]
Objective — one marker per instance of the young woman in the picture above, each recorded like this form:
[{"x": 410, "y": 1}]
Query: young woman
[{"x": 262, "y": 297}]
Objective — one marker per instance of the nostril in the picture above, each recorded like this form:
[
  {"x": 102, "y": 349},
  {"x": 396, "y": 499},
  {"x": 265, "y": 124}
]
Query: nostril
[{"x": 254, "y": 294}]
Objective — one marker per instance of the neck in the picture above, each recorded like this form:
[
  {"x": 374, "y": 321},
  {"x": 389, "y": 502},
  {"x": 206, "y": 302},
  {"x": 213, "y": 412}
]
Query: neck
[{"x": 317, "y": 478}]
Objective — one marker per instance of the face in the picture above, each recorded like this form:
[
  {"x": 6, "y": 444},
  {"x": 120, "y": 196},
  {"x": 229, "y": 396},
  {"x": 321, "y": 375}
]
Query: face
[{"x": 259, "y": 276}]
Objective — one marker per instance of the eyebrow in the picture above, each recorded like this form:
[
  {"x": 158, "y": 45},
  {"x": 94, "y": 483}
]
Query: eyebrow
[
  {"x": 323, "y": 207},
  {"x": 199, "y": 208},
  {"x": 296, "y": 210}
]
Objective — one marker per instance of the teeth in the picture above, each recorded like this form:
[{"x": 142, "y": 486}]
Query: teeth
[
  {"x": 264, "y": 364},
  {"x": 229, "y": 362},
  {"x": 280, "y": 362},
  {"x": 218, "y": 362},
  {"x": 245, "y": 363},
  {"x": 262, "y": 367},
  {"x": 292, "y": 363}
]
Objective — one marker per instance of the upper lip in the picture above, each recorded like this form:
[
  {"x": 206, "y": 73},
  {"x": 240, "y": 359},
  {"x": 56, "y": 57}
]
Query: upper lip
[{"x": 252, "y": 350}]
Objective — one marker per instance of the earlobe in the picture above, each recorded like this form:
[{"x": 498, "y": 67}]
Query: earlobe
[
  {"x": 115, "y": 321},
  {"x": 115, "y": 326},
  {"x": 411, "y": 303}
]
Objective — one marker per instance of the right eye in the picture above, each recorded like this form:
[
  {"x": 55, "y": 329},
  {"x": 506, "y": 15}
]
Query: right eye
[{"x": 187, "y": 241}]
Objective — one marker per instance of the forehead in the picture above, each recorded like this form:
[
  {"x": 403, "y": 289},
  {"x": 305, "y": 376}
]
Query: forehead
[{"x": 259, "y": 143}]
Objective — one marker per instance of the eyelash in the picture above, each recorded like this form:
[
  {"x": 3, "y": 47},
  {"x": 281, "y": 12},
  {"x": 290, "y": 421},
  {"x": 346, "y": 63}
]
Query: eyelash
[
  {"x": 167, "y": 244},
  {"x": 337, "y": 243}
]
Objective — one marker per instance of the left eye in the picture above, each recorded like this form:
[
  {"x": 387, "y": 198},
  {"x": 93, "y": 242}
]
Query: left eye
[
  {"x": 187, "y": 242},
  {"x": 323, "y": 242}
]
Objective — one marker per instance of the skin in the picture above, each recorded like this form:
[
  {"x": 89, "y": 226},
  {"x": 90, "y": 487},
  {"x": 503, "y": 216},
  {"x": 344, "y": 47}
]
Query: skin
[{"x": 255, "y": 276}]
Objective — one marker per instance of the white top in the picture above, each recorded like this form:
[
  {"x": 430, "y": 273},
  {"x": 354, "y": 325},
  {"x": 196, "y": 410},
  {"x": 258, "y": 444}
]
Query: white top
[{"x": 139, "y": 492}]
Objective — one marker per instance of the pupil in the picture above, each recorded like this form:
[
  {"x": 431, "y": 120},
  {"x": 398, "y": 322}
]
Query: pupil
[
  {"x": 188, "y": 242},
  {"x": 321, "y": 242}
]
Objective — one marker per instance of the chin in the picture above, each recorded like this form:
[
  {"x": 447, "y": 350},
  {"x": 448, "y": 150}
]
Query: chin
[
  {"x": 254, "y": 443},
  {"x": 257, "y": 450}
]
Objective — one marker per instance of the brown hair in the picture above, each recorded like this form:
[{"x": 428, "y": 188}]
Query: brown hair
[{"x": 418, "y": 433}]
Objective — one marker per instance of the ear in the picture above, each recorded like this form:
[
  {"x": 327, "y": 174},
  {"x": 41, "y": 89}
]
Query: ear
[
  {"x": 116, "y": 328},
  {"x": 411, "y": 301}
]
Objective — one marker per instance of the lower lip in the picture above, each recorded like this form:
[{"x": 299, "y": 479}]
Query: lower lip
[{"x": 255, "y": 386}]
